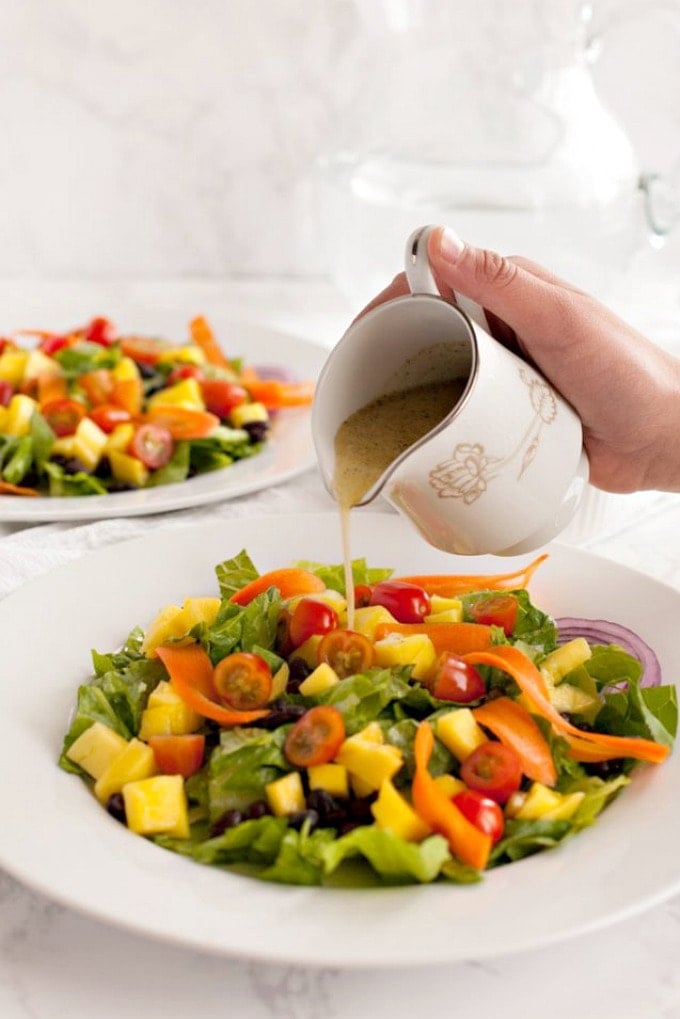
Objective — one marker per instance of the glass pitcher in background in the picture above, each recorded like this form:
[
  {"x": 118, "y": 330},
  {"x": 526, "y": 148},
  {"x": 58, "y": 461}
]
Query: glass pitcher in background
[{"x": 483, "y": 116}]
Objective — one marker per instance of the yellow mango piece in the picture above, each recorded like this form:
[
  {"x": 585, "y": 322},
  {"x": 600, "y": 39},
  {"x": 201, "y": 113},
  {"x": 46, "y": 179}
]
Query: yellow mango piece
[
  {"x": 64, "y": 446},
  {"x": 135, "y": 762},
  {"x": 38, "y": 364},
  {"x": 89, "y": 443},
  {"x": 120, "y": 438},
  {"x": 308, "y": 651},
  {"x": 371, "y": 732},
  {"x": 323, "y": 678},
  {"x": 12, "y": 365},
  {"x": 247, "y": 413},
  {"x": 450, "y": 785},
  {"x": 200, "y": 610},
  {"x": 331, "y": 777},
  {"x": 393, "y": 813},
  {"x": 368, "y": 619},
  {"x": 188, "y": 354},
  {"x": 126, "y": 370},
  {"x": 369, "y": 762},
  {"x": 286, "y": 795},
  {"x": 157, "y": 806},
  {"x": 542, "y": 802},
  {"x": 279, "y": 682},
  {"x": 446, "y": 616},
  {"x": 128, "y": 469},
  {"x": 459, "y": 732},
  {"x": 168, "y": 624},
  {"x": 566, "y": 658},
  {"x": 168, "y": 720},
  {"x": 3, "y": 418},
  {"x": 416, "y": 650},
  {"x": 96, "y": 748},
  {"x": 186, "y": 393},
  {"x": 20, "y": 410},
  {"x": 440, "y": 604}
]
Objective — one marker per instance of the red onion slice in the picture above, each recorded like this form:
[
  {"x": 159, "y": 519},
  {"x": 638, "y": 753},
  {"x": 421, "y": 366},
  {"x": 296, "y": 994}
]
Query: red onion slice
[
  {"x": 274, "y": 373},
  {"x": 602, "y": 631}
]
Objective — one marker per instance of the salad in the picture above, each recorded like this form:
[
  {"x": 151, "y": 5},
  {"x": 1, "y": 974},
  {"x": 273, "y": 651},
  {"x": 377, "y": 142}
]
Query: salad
[
  {"x": 93, "y": 411},
  {"x": 453, "y": 728}
]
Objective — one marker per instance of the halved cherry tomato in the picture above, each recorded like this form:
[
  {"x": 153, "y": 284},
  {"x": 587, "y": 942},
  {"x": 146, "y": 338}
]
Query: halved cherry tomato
[
  {"x": 220, "y": 396},
  {"x": 97, "y": 386},
  {"x": 153, "y": 445},
  {"x": 63, "y": 416},
  {"x": 310, "y": 617},
  {"x": 482, "y": 811},
  {"x": 107, "y": 416},
  {"x": 316, "y": 737},
  {"x": 183, "y": 422},
  {"x": 289, "y": 580},
  {"x": 6, "y": 392},
  {"x": 143, "y": 349},
  {"x": 496, "y": 610},
  {"x": 347, "y": 652},
  {"x": 453, "y": 679},
  {"x": 408, "y": 603},
  {"x": 185, "y": 371},
  {"x": 494, "y": 770},
  {"x": 191, "y": 674},
  {"x": 49, "y": 345},
  {"x": 178, "y": 755},
  {"x": 101, "y": 331},
  {"x": 243, "y": 681},
  {"x": 362, "y": 596}
]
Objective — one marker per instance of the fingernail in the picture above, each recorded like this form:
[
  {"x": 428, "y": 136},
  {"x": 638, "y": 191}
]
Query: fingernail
[{"x": 451, "y": 246}]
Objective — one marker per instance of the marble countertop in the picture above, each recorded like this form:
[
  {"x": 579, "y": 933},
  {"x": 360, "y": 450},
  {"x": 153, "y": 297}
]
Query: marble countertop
[{"x": 56, "y": 963}]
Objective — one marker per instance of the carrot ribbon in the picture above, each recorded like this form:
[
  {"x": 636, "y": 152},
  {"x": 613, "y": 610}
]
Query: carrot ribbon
[
  {"x": 450, "y": 586},
  {"x": 191, "y": 675}
]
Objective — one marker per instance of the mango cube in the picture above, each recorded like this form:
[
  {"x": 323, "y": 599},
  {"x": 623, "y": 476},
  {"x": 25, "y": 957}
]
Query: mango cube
[
  {"x": 331, "y": 777},
  {"x": 450, "y": 785},
  {"x": 369, "y": 762},
  {"x": 20, "y": 410},
  {"x": 566, "y": 658},
  {"x": 157, "y": 806},
  {"x": 308, "y": 651},
  {"x": 96, "y": 748},
  {"x": 166, "y": 714},
  {"x": 64, "y": 445},
  {"x": 89, "y": 442},
  {"x": 126, "y": 370},
  {"x": 542, "y": 802},
  {"x": 12, "y": 365},
  {"x": 120, "y": 438},
  {"x": 190, "y": 353},
  {"x": 323, "y": 678},
  {"x": 416, "y": 650},
  {"x": 38, "y": 364},
  {"x": 460, "y": 733},
  {"x": 369, "y": 618},
  {"x": 285, "y": 795},
  {"x": 440, "y": 604},
  {"x": 280, "y": 682},
  {"x": 128, "y": 469},
  {"x": 371, "y": 732},
  {"x": 247, "y": 413},
  {"x": 186, "y": 393},
  {"x": 200, "y": 610},
  {"x": 135, "y": 762},
  {"x": 393, "y": 813}
]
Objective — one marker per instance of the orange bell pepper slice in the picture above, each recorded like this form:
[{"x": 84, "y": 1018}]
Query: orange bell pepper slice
[
  {"x": 434, "y": 807},
  {"x": 277, "y": 395},
  {"x": 512, "y": 724},
  {"x": 8, "y": 489},
  {"x": 182, "y": 422},
  {"x": 203, "y": 336},
  {"x": 51, "y": 388},
  {"x": 191, "y": 675},
  {"x": 450, "y": 586},
  {"x": 290, "y": 581},
  {"x": 128, "y": 394},
  {"x": 531, "y": 682},
  {"x": 458, "y": 638}
]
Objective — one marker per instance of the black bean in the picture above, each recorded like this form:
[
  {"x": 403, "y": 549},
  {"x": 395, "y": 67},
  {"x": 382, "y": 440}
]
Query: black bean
[
  {"x": 256, "y": 810},
  {"x": 297, "y": 820},
  {"x": 298, "y": 670},
  {"x": 229, "y": 819},
  {"x": 116, "y": 807},
  {"x": 70, "y": 464},
  {"x": 282, "y": 712},
  {"x": 256, "y": 430}
]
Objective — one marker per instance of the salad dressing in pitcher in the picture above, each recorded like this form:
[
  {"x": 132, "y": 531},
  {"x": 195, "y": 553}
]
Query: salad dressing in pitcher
[{"x": 373, "y": 437}]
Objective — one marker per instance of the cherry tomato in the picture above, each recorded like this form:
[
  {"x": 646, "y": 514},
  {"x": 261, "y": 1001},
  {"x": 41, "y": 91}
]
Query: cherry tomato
[
  {"x": 63, "y": 416},
  {"x": 362, "y": 596},
  {"x": 494, "y": 770},
  {"x": 310, "y": 617},
  {"x": 143, "y": 349},
  {"x": 100, "y": 331},
  {"x": 243, "y": 681},
  {"x": 185, "y": 371},
  {"x": 316, "y": 737},
  {"x": 178, "y": 755},
  {"x": 408, "y": 603},
  {"x": 6, "y": 392},
  {"x": 481, "y": 811},
  {"x": 347, "y": 652},
  {"x": 107, "y": 416},
  {"x": 50, "y": 345},
  {"x": 97, "y": 386},
  {"x": 152, "y": 444},
  {"x": 221, "y": 397},
  {"x": 455, "y": 680},
  {"x": 496, "y": 610}
]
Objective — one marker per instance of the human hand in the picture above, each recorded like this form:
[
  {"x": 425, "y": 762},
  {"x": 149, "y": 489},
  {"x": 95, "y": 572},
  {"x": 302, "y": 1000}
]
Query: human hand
[{"x": 625, "y": 389}]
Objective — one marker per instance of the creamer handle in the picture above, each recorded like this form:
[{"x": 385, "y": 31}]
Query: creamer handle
[{"x": 421, "y": 279}]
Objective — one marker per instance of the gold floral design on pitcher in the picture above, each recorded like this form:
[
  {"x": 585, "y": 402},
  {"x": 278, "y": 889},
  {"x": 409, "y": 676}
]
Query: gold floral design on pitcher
[{"x": 466, "y": 475}]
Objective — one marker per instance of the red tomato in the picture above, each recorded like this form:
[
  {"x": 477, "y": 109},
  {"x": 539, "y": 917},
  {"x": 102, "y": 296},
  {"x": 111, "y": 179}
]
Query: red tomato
[
  {"x": 496, "y": 610},
  {"x": 143, "y": 349},
  {"x": 243, "y": 681},
  {"x": 108, "y": 416},
  {"x": 408, "y": 603},
  {"x": 316, "y": 737},
  {"x": 494, "y": 770},
  {"x": 63, "y": 416},
  {"x": 153, "y": 445},
  {"x": 185, "y": 371},
  {"x": 51, "y": 344},
  {"x": 100, "y": 331},
  {"x": 311, "y": 617},
  {"x": 221, "y": 396},
  {"x": 178, "y": 755},
  {"x": 97, "y": 386},
  {"x": 6, "y": 393},
  {"x": 481, "y": 811},
  {"x": 455, "y": 680},
  {"x": 346, "y": 652},
  {"x": 362, "y": 596}
]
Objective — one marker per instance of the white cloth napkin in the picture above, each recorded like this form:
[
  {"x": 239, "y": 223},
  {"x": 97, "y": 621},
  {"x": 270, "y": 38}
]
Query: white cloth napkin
[{"x": 34, "y": 551}]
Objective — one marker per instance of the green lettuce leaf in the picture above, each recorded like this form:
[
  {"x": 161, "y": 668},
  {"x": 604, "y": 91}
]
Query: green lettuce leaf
[
  {"x": 240, "y": 768},
  {"x": 233, "y": 574},
  {"x": 392, "y": 858},
  {"x": 362, "y": 698},
  {"x": 244, "y": 627},
  {"x": 334, "y": 576}
]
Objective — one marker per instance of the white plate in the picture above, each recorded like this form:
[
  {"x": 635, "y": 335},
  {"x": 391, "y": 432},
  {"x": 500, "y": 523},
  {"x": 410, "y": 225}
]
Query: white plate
[
  {"x": 288, "y": 452},
  {"x": 58, "y": 840}
]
